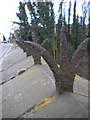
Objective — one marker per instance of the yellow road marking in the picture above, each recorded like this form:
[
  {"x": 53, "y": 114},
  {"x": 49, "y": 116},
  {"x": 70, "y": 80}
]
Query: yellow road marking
[{"x": 43, "y": 103}]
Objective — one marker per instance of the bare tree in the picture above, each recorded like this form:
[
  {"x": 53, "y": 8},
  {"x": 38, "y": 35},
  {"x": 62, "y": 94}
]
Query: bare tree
[
  {"x": 29, "y": 52},
  {"x": 64, "y": 76}
]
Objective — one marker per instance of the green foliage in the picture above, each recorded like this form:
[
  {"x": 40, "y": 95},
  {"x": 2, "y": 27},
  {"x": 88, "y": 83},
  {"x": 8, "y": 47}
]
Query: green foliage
[
  {"x": 23, "y": 25},
  {"x": 78, "y": 29},
  {"x": 70, "y": 51},
  {"x": 22, "y": 14},
  {"x": 42, "y": 21},
  {"x": 68, "y": 35},
  {"x": 69, "y": 13},
  {"x": 43, "y": 25}
]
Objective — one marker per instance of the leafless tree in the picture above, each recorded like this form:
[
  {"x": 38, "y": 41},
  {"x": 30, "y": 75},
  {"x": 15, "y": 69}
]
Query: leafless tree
[{"x": 64, "y": 76}]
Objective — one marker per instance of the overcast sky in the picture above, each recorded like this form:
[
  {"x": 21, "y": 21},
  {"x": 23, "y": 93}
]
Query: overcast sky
[{"x": 8, "y": 9}]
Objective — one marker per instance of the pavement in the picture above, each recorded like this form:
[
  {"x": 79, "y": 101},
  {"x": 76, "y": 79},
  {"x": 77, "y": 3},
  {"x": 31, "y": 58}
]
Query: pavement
[
  {"x": 4, "y": 49},
  {"x": 32, "y": 93},
  {"x": 67, "y": 105}
]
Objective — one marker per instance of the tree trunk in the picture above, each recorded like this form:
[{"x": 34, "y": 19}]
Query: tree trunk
[
  {"x": 37, "y": 59},
  {"x": 64, "y": 76}
]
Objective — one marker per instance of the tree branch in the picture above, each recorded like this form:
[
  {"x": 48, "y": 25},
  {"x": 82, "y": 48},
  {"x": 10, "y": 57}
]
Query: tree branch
[
  {"x": 79, "y": 53},
  {"x": 42, "y": 44},
  {"x": 43, "y": 52},
  {"x": 63, "y": 49},
  {"x": 21, "y": 45},
  {"x": 39, "y": 50}
]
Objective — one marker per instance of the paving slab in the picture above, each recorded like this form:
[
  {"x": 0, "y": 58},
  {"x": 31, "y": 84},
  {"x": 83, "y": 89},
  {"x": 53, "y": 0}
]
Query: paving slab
[
  {"x": 66, "y": 105},
  {"x": 81, "y": 86},
  {"x": 4, "y": 48},
  {"x": 12, "y": 70},
  {"x": 15, "y": 61},
  {"x": 34, "y": 85},
  {"x": 24, "y": 91},
  {"x": 13, "y": 58}
]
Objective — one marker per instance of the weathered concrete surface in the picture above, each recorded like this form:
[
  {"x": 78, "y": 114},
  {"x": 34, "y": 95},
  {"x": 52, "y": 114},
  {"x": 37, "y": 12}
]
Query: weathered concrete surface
[
  {"x": 81, "y": 86},
  {"x": 13, "y": 62},
  {"x": 35, "y": 84},
  {"x": 67, "y": 105},
  {"x": 25, "y": 91},
  {"x": 4, "y": 48}
]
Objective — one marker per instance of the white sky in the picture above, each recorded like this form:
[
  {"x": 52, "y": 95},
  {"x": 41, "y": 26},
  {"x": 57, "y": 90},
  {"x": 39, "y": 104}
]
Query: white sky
[{"x": 8, "y": 9}]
